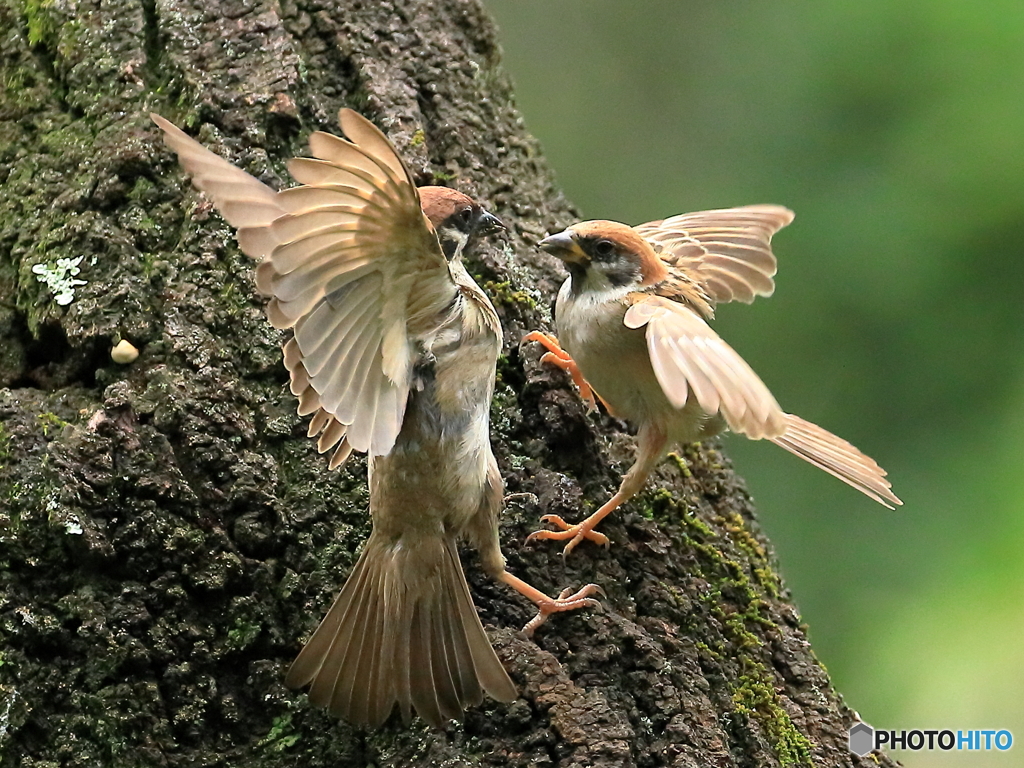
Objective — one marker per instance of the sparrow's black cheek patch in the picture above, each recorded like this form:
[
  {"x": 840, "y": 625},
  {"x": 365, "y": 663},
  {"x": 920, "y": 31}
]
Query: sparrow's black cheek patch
[{"x": 622, "y": 273}]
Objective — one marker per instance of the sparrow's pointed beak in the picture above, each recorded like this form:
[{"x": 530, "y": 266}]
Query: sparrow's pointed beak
[
  {"x": 487, "y": 224},
  {"x": 564, "y": 246}
]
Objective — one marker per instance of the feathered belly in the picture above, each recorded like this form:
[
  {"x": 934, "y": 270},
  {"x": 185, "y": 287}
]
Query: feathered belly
[
  {"x": 434, "y": 477},
  {"x": 615, "y": 362}
]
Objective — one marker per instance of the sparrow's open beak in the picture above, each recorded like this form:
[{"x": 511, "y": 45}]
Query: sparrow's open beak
[
  {"x": 564, "y": 246},
  {"x": 487, "y": 224}
]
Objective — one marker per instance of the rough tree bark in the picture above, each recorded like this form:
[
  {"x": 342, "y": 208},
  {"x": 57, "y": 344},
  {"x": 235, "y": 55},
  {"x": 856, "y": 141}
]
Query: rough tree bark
[{"x": 169, "y": 536}]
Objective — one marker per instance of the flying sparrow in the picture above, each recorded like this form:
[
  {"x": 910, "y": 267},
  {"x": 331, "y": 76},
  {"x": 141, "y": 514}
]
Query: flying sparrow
[
  {"x": 394, "y": 352},
  {"x": 632, "y": 322}
]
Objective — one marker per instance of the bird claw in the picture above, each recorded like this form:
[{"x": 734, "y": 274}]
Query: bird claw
[
  {"x": 567, "y": 600},
  {"x": 575, "y": 533},
  {"x": 559, "y": 358},
  {"x": 555, "y": 520},
  {"x": 590, "y": 589}
]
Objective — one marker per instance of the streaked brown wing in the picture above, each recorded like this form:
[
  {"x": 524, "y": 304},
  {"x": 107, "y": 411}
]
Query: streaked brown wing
[
  {"x": 726, "y": 251},
  {"x": 242, "y": 200},
  {"x": 349, "y": 260},
  {"x": 689, "y": 358}
]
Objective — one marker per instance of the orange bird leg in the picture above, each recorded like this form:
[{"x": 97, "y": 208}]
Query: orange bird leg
[
  {"x": 557, "y": 356},
  {"x": 566, "y": 600},
  {"x": 651, "y": 448}
]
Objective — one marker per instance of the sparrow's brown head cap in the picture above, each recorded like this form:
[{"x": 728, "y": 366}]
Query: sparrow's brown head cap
[
  {"x": 608, "y": 246},
  {"x": 441, "y": 204},
  {"x": 456, "y": 218}
]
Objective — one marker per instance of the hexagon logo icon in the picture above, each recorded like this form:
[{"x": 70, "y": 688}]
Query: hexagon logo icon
[{"x": 862, "y": 739}]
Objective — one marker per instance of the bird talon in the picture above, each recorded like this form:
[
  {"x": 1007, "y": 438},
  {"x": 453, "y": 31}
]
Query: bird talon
[
  {"x": 571, "y": 545},
  {"x": 558, "y": 357},
  {"x": 546, "y": 340},
  {"x": 567, "y": 600},
  {"x": 575, "y": 533}
]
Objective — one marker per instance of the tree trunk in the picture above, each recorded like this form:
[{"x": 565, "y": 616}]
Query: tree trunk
[{"x": 169, "y": 535}]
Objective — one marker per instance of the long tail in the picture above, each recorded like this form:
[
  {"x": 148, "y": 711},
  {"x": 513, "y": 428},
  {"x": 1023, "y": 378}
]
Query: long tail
[
  {"x": 402, "y": 631},
  {"x": 837, "y": 457}
]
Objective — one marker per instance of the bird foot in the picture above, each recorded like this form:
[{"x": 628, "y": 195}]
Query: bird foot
[
  {"x": 567, "y": 600},
  {"x": 558, "y": 357},
  {"x": 575, "y": 533}
]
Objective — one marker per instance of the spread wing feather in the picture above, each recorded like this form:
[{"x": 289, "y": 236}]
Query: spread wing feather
[
  {"x": 727, "y": 251},
  {"x": 341, "y": 256},
  {"x": 243, "y": 200},
  {"x": 689, "y": 357}
]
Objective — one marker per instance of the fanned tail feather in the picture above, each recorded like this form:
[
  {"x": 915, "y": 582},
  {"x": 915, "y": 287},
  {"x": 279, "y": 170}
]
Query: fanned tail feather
[
  {"x": 402, "y": 631},
  {"x": 837, "y": 457}
]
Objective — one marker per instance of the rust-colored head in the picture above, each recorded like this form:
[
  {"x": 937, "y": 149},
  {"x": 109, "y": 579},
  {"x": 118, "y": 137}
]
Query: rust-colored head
[
  {"x": 456, "y": 218},
  {"x": 608, "y": 248}
]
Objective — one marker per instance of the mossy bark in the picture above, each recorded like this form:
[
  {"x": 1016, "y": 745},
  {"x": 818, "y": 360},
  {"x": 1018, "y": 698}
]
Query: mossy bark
[{"x": 168, "y": 536}]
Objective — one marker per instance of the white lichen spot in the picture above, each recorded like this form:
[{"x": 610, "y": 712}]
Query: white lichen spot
[
  {"x": 73, "y": 525},
  {"x": 5, "y": 713},
  {"x": 124, "y": 353},
  {"x": 60, "y": 278}
]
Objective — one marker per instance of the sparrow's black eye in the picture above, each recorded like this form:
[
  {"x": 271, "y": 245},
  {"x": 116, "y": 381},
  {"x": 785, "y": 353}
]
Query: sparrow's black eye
[
  {"x": 463, "y": 217},
  {"x": 604, "y": 248}
]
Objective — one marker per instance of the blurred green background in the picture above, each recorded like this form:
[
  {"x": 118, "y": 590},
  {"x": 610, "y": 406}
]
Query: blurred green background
[{"x": 895, "y": 130}]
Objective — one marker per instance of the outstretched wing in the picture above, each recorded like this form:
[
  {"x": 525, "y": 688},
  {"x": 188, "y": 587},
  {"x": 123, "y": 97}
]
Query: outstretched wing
[
  {"x": 350, "y": 262},
  {"x": 727, "y": 252},
  {"x": 689, "y": 358},
  {"x": 242, "y": 200}
]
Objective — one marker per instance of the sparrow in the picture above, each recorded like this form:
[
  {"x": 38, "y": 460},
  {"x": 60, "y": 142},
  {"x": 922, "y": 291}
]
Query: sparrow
[
  {"x": 632, "y": 322},
  {"x": 393, "y": 352}
]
